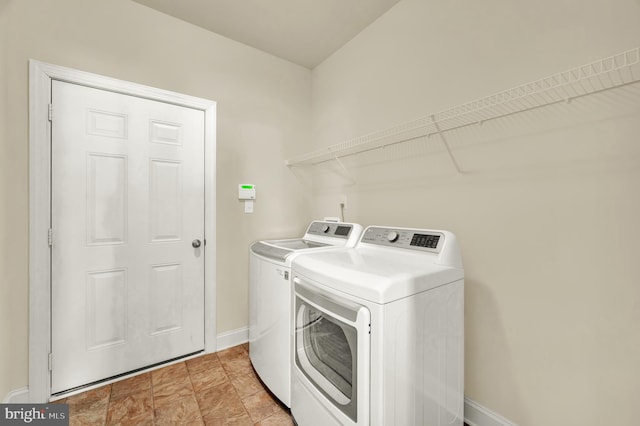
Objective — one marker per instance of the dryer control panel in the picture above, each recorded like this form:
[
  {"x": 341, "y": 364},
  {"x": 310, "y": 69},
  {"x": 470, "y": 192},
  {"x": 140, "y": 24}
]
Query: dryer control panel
[{"x": 414, "y": 239}]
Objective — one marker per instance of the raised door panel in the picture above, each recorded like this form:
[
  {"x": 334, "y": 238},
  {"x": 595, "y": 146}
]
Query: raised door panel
[
  {"x": 107, "y": 198},
  {"x": 166, "y": 295},
  {"x": 106, "y": 308},
  {"x": 165, "y": 200}
]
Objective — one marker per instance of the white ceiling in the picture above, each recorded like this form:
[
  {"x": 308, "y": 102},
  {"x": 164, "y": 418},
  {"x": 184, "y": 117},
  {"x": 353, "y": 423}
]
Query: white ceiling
[{"x": 305, "y": 32}]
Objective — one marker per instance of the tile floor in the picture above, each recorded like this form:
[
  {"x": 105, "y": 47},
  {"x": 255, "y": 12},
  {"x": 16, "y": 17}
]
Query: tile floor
[{"x": 214, "y": 389}]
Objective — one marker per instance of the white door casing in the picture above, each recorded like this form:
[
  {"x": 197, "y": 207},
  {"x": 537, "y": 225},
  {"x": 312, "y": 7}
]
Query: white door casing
[
  {"x": 127, "y": 201},
  {"x": 42, "y": 78}
]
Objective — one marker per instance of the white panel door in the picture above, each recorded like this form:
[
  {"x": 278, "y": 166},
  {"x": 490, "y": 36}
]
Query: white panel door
[{"x": 127, "y": 203}]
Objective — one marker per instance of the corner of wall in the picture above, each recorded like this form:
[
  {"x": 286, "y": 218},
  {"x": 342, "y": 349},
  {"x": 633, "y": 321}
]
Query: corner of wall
[
  {"x": 477, "y": 415},
  {"x": 17, "y": 396},
  {"x": 232, "y": 338}
]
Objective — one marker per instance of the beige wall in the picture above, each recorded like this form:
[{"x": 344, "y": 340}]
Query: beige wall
[
  {"x": 5, "y": 288},
  {"x": 546, "y": 211},
  {"x": 263, "y": 116}
]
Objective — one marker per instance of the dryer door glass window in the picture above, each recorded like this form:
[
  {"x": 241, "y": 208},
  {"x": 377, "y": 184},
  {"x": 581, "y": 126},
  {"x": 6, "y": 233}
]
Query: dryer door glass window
[{"x": 326, "y": 348}]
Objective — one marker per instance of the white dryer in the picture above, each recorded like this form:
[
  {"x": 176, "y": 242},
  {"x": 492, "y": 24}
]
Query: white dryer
[
  {"x": 270, "y": 298},
  {"x": 379, "y": 332}
]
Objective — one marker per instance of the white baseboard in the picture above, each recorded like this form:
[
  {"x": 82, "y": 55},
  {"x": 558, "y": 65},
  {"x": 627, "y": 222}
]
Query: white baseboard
[
  {"x": 477, "y": 415},
  {"x": 17, "y": 396},
  {"x": 232, "y": 338}
]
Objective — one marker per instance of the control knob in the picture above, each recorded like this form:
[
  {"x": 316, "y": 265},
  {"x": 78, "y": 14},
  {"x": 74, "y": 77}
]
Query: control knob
[
  {"x": 325, "y": 228},
  {"x": 392, "y": 237}
]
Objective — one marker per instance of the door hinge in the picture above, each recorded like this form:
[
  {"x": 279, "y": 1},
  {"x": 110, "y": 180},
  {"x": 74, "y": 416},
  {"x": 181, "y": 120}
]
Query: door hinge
[
  {"x": 50, "y": 237},
  {"x": 50, "y": 112},
  {"x": 50, "y": 361}
]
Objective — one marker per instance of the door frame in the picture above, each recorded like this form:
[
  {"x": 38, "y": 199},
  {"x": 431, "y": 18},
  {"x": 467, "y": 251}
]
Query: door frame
[{"x": 41, "y": 76}]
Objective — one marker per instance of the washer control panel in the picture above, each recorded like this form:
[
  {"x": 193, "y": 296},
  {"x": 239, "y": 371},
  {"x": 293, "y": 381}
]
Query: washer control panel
[
  {"x": 413, "y": 239},
  {"x": 330, "y": 229}
]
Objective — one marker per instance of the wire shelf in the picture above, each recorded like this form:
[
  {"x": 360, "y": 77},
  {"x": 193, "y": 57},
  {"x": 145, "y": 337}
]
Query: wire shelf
[{"x": 608, "y": 73}]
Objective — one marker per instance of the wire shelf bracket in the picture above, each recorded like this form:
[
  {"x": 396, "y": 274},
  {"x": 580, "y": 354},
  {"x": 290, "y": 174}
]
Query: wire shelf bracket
[{"x": 446, "y": 145}]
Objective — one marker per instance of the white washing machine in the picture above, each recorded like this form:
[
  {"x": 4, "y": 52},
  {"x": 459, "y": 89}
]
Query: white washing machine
[
  {"x": 379, "y": 332},
  {"x": 270, "y": 298}
]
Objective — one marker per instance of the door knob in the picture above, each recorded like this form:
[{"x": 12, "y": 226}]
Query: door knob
[{"x": 196, "y": 243}]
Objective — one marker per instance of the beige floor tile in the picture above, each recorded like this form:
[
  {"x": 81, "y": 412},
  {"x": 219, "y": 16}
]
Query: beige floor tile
[
  {"x": 203, "y": 363},
  {"x": 236, "y": 361},
  {"x": 223, "y": 419},
  {"x": 89, "y": 418},
  {"x": 142, "y": 420},
  {"x": 246, "y": 385},
  {"x": 170, "y": 392},
  {"x": 221, "y": 400},
  {"x": 209, "y": 378},
  {"x": 279, "y": 419},
  {"x": 141, "y": 382},
  {"x": 183, "y": 411},
  {"x": 169, "y": 374},
  {"x": 138, "y": 406},
  {"x": 260, "y": 405},
  {"x": 93, "y": 401},
  {"x": 232, "y": 352}
]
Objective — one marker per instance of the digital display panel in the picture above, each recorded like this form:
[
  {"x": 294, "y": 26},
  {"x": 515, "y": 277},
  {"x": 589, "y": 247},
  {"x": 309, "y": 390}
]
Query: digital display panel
[
  {"x": 343, "y": 231},
  {"x": 425, "y": 240}
]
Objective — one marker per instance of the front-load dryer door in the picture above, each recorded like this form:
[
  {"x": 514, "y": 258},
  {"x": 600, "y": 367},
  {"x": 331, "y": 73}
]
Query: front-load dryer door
[{"x": 332, "y": 350}]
